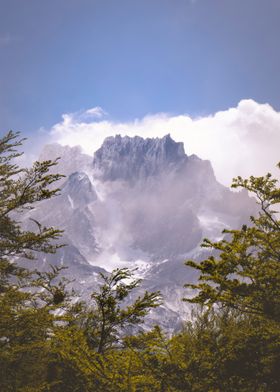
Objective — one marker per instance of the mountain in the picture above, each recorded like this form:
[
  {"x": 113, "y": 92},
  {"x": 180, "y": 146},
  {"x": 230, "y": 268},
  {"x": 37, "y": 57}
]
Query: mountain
[{"x": 138, "y": 203}]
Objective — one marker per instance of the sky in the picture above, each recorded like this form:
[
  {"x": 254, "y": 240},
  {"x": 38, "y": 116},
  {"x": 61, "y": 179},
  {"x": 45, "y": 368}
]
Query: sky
[{"x": 206, "y": 71}]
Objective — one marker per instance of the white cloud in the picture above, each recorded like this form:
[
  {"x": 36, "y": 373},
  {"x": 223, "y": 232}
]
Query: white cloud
[
  {"x": 83, "y": 115},
  {"x": 96, "y": 111},
  {"x": 239, "y": 141}
]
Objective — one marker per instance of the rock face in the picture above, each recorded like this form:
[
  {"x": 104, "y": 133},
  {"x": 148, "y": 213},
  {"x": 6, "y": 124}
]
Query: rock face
[
  {"x": 131, "y": 159},
  {"x": 140, "y": 203},
  {"x": 79, "y": 190}
]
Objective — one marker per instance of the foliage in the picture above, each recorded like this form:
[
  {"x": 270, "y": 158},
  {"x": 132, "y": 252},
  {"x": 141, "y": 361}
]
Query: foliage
[
  {"x": 242, "y": 278},
  {"x": 27, "y": 309},
  {"x": 246, "y": 273},
  {"x": 221, "y": 351},
  {"x": 20, "y": 189},
  {"x": 108, "y": 318}
]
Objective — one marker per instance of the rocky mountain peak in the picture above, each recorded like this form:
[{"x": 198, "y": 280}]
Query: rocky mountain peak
[{"x": 130, "y": 158}]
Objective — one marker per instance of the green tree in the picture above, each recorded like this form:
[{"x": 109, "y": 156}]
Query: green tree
[
  {"x": 240, "y": 283},
  {"x": 20, "y": 189},
  {"x": 105, "y": 322},
  {"x": 27, "y": 309},
  {"x": 221, "y": 351},
  {"x": 246, "y": 273}
]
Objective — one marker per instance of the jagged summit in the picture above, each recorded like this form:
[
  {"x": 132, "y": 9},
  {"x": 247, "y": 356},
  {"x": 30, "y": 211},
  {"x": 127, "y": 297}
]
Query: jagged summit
[{"x": 127, "y": 158}]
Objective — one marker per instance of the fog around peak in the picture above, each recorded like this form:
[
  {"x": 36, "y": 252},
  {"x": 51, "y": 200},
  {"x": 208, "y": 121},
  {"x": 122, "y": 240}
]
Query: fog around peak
[{"x": 242, "y": 140}]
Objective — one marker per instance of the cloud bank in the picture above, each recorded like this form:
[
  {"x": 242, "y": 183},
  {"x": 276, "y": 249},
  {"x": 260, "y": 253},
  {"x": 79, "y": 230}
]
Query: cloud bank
[{"x": 244, "y": 140}]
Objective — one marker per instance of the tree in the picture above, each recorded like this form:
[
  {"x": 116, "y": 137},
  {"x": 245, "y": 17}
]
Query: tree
[
  {"x": 239, "y": 284},
  {"x": 221, "y": 351},
  {"x": 27, "y": 316},
  {"x": 108, "y": 317},
  {"x": 246, "y": 273},
  {"x": 21, "y": 189}
]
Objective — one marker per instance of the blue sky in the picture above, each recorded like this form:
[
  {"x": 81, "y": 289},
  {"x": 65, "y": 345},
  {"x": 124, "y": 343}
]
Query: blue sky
[{"x": 134, "y": 57}]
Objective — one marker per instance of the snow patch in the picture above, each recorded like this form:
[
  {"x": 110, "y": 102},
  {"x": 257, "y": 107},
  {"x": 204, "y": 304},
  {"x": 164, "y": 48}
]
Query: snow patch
[{"x": 71, "y": 201}]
